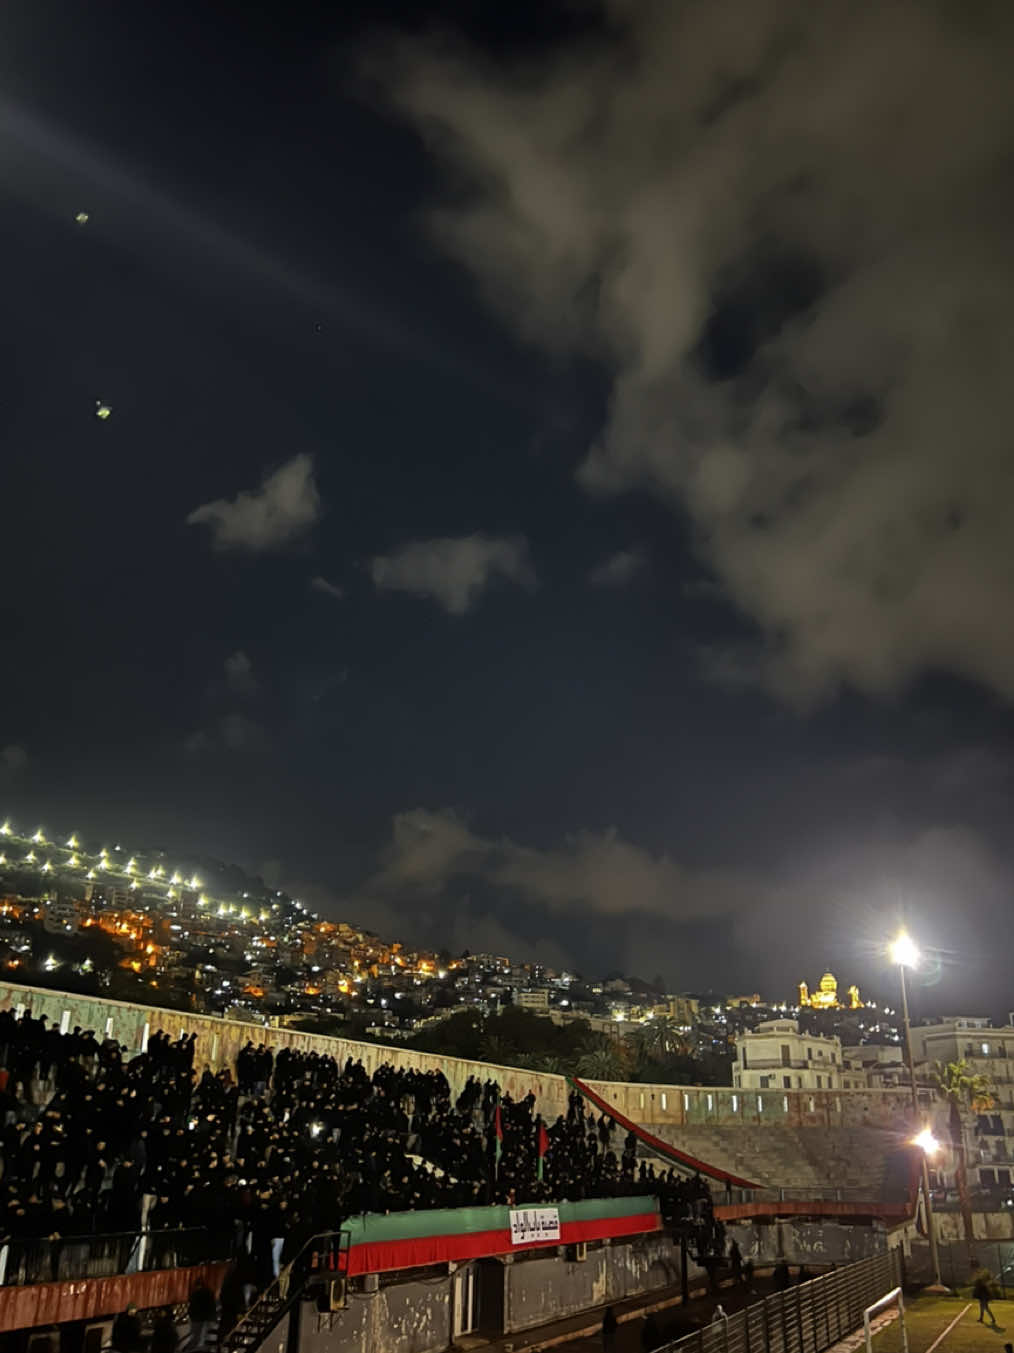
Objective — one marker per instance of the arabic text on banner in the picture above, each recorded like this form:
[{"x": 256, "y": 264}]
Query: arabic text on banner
[{"x": 531, "y": 1224}]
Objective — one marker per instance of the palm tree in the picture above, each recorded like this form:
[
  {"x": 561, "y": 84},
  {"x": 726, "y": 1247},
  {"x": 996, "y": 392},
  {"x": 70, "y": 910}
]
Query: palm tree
[
  {"x": 500, "y": 1051},
  {"x": 963, "y": 1092},
  {"x": 601, "y": 1063}
]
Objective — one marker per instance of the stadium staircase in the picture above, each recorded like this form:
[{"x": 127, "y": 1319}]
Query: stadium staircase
[{"x": 322, "y": 1263}]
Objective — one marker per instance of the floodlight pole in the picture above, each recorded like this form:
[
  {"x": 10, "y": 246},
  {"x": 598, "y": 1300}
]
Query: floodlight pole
[{"x": 927, "y": 1200}]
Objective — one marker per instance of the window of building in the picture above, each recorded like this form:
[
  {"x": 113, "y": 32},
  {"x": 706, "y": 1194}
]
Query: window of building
[
  {"x": 813, "y": 1104},
  {"x": 820, "y": 1082},
  {"x": 786, "y": 1055},
  {"x": 665, "y": 1100},
  {"x": 765, "y": 1081},
  {"x": 1003, "y": 1178},
  {"x": 809, "y": 1054},
  {"x": 642, "y": 1099},
  {"x": 785, "y": 1103},
  {"x": 987, "y": 1178},
  {"x": 787, "y": 1082},
  {"x": 711, "y": 1103},
  {"x": 686, "y": 1103},
  {"x": 760, "y": 1104},
  {"x": 735, "y": 1103},
  {"x": 985, "y": 1049}
]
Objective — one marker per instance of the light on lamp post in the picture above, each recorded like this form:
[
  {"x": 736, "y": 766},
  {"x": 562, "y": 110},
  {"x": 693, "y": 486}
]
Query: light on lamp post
[
  {"x": 904, "y": 951},
  {"x": 926, "y": 1142}
]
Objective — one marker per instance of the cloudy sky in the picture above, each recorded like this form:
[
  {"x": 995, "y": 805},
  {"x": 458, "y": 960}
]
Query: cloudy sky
[{"x": 557, "y": 484}]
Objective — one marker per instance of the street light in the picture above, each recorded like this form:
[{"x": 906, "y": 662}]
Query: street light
[
  {"x": 926, "y": 1142},
  {"x": 904, "y": 951}
]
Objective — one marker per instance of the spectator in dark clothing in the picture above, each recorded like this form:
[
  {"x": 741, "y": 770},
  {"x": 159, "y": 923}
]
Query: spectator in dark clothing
[
  {"x": 651, "y": 1335},
  {"x": 781, "y": 1278},
  {"x": 609, "y": 1324},
  {"x": 736, "y": 1260},
  {"x": 126, "y": 1336},
  {"x": 202, "y": 1309},
  {"x": 164, "y": 1337}
]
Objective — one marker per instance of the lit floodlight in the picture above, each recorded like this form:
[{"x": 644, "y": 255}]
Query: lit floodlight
[
  {"x": 926, "y": 1142},
  {"x": 5, "y": 830},
  {"x": 904, "y": 951},
  {"x": 72, "y": 842}
]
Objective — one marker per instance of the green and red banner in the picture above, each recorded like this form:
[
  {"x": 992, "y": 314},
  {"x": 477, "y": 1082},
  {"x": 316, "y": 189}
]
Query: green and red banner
[{"x": 380, "y": 1244}]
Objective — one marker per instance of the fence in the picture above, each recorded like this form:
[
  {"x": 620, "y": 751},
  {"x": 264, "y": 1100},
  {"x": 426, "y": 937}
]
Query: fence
[
  {"x": 37, "y": 1260},
  {"x": 807, "y": 1318},
  {"x": 996, "y": 1255}
]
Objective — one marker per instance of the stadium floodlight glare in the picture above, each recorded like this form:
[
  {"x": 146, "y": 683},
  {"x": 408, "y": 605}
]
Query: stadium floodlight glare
[
  {"x": 904, "y": 950},
  {"x": 926, "y": 1142}
]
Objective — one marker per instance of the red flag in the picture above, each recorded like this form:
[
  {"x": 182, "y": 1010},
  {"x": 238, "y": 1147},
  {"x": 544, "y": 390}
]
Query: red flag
[{"x": 543, "y": 1146}]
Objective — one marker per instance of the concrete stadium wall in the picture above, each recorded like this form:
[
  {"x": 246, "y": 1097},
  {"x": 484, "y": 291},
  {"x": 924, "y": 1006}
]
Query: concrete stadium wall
[
  {"x": 219, "y": 1040},
  {"x": 540, "y": 1290},
  {"x": 806, "y": 1242},
  {"x": 415, "y": 1316}
]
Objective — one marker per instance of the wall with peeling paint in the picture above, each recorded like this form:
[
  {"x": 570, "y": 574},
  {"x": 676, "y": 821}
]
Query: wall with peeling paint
[
  {"x": 416, "y": 1316},
  {"x": 805, "y": 1242},
  {"x": 410, "y": 1317},
  {"x": 540, "y": 1290}
]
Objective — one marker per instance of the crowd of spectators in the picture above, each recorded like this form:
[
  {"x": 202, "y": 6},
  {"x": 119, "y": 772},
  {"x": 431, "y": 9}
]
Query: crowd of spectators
[{"x": 209, "y": 1164}]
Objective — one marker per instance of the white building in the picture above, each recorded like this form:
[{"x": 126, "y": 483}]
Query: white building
[
  {"x": 986, "y": 1051},
  {"x": 776, "y": 1056},
  {"x": 874, "y": 1066}
]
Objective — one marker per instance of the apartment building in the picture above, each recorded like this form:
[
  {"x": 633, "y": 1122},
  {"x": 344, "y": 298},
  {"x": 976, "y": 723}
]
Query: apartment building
[
  {"x": 776, "y": 1056},
  {"x": 987, "y": 1051}
]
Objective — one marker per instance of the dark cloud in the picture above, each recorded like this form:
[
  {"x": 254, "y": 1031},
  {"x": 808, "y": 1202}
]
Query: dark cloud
[
  {"x": 453, "y": 570},
  {"x": 598, "y": 900},
  {"x": 785, "y": 230},
  {"x": 281, "y": 510},
  {"x": 239, "y": 674},
  {"x": 618, "y": 569},
  {"x": 329, "y": 589}
]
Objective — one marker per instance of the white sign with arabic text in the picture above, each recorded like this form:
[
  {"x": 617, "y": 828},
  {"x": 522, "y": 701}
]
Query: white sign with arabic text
[{"x": 531, "y": 1224}]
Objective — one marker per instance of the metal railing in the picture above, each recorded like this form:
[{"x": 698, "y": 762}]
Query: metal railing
[
  {"x": 804, "y": 1195},
  {"x": 324, "y": 1256},
  {"x": 995, "y": 1255},
  {"x": 807, "y": 1318},
  {"x": 41, "y": 1260}
]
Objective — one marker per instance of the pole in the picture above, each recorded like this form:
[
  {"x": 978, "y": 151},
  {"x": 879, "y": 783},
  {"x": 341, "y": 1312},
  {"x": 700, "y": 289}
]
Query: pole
[{"x": 927, "y": 1200}]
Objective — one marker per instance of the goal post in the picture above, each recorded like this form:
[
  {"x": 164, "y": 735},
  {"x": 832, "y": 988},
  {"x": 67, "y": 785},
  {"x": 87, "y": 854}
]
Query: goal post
[{"x": 895, "y": 1295}]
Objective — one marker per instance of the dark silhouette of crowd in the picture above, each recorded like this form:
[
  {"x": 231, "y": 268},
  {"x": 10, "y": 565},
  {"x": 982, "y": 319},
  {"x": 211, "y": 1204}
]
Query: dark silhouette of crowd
[{"x": 208, "y": 1164}]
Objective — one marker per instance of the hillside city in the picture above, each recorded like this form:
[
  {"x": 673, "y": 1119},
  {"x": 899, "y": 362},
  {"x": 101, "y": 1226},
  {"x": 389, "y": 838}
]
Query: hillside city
[{"x": 198, "y": 935}]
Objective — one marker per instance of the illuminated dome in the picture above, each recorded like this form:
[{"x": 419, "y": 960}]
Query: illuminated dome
[{"x": 829, "y": 983}]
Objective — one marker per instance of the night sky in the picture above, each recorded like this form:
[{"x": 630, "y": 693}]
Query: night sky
[{"x": 558, "y": 484}]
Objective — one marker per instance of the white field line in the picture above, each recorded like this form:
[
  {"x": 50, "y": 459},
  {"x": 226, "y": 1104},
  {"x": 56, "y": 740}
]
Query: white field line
[{"x": 941, "y": 1337}]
